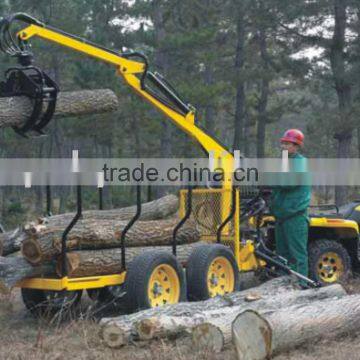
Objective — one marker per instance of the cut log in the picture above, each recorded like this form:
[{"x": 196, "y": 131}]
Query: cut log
[
  {"x": 14, "y": 269},
  {"x": 161, "y": 208},
  {"x": 259, "y": 336},
  {"x": 45, "y": 243},
  {"x": 270, "y": 288},
  {"x": 16, "y": 110},
  {"x": 211, "y": 329},
  {"x": 104, "y": 262},
  {"x": 10, "y": 241},
  {"x": 158, "y": 209},
  {"x": 116, "y": 337}
]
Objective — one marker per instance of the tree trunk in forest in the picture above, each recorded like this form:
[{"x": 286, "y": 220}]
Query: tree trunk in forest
[
  {"x": 240, "y": 83},
  {"x": 263, "y": 101},
  {"x": 260, "y": 335},
  {"x": 44, "y": 241},
  {"x": 209, "y": 107},
  {"x": 104, "y": 262},
  {"x": 15, "y": 110},
  {"x": 343, "y": 90},
  {"x": 162, "y": 64}
]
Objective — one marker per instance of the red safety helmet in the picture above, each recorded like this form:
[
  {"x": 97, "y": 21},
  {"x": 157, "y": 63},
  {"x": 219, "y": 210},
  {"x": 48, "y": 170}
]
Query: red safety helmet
[{"x": 294, "y": 136}]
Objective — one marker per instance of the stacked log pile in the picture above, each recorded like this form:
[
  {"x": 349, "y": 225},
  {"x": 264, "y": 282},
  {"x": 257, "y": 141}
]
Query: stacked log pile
[
  {"x": 94, "y": 242},
  {"x": 259, "y": 322}
]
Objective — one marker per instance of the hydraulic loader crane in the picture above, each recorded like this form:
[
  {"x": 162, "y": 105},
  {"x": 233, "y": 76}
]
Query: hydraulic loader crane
[{"x": 213, "y": 268}]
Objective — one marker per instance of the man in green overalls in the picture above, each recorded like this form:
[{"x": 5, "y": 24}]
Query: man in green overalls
[{"x": 289, "y": 205}]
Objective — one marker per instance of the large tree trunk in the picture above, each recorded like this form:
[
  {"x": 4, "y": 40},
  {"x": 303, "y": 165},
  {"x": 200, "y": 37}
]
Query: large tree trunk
[
  {"x": 211, "y": 330},
  {"x": 343, "y": 87},
  {"x": 157, "y": 209},
  {"x": 16, "y": 110},
  {"x": 120, "y": 330},
  {"x": 259, "y": 336},
  {"x": 265, "y": 85},
  {"x": 44, "y": 241},
  {"x": 238, "y": 143},
  {"x": 102, "y": 262},
  {"x": 161, "y": 60},
  {"x": 15, "y": 268}
]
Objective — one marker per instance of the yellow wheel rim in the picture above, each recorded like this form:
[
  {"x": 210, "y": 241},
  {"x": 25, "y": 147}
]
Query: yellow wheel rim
[
  {"x": 330, "y": 267},
  {"x": 164, "y": 286},
  {"x": 220, "y": 278}
]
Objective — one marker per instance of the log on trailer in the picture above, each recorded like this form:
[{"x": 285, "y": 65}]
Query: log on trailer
[
  {"x": 163, "y": 207},
  {"x": 14, "y": 111},
  {"x": 15, "y": 268},
  {"x": 104, "y": 262},
  {"x": 258, "y": 336},
  {"x": 10, "y": 241},
  {"x": 87, "y": 234},
  {"x": 118, "y": 331},
  {"x": 80, "y": 263}
]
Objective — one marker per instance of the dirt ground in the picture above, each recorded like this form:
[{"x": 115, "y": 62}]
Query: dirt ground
[{"x": 23, "y": 337}]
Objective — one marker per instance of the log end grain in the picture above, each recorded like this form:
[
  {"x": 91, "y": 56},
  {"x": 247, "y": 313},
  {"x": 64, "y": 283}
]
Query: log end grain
[
  {"x": 114, "y": 336},
  {"x": 251, "y": 335},
  {"x": 31, "y": 251},
  {"x": 72, "y": 263},
  {"x": 146, "y": 328},
  {"x": 207, "y": 337}
]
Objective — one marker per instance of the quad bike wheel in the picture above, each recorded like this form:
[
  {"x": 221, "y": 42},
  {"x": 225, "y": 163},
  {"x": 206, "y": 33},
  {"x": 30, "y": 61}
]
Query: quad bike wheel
[
  {"x": 211, "y": 271},
  {"x": 329, "y": 262},
  {"x": 154, "y": 278},
  {"x": 46, "y": 302}
]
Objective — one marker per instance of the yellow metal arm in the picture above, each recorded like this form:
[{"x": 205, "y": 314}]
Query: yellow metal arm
[
  {"x": 133, "y": 73},
  {"x": 128, "y": 69}
]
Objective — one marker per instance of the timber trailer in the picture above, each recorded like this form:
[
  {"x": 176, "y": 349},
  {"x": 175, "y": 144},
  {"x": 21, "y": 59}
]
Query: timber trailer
[{"x": 156, "y": 278}]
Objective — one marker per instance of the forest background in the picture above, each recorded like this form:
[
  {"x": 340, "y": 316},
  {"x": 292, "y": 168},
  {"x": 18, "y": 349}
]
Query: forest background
[{"x": 252, "y": 68}]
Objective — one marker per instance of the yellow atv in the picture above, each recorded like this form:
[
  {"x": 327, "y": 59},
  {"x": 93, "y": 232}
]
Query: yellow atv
[{"x": 333, "y": 241}]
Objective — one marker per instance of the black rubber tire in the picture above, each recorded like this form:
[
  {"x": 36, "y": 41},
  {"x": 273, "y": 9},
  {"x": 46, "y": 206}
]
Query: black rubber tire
[
  {"x": 138, "y": 276},
  {"x": 198, "y": 266},
  {"x": 38, "y": 303},
  {"x": 317, "y": 248}
]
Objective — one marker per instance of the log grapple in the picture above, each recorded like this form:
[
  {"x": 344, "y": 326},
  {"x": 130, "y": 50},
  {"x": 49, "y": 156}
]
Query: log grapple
[{"x": 27, "y": 79}]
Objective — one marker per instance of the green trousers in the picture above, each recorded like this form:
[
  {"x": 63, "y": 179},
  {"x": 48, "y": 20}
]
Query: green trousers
[{"x": 291, "y": 242}]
